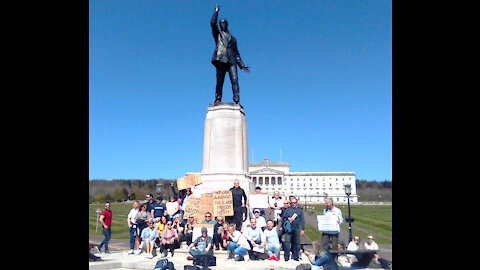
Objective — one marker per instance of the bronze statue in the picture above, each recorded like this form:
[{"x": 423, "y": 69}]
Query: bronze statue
[{"x": 225, "y": 57}]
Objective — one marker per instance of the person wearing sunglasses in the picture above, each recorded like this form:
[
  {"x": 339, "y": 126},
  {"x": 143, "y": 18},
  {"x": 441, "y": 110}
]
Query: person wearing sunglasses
[
  {"x": 208, "y": 219},
  {"x": 169, "y": 236},
  {"x": 294, "y": 215},
  {"x": 189, "y": 230},
  {"x": 149, "y": 237}
]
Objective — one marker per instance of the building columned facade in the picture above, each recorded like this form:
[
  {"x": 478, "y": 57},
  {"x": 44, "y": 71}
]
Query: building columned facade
[{"x": 312, "y": 187}]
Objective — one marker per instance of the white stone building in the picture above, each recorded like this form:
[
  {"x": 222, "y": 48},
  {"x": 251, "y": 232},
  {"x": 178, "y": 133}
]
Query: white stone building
[{"x": 313, "y": 187}]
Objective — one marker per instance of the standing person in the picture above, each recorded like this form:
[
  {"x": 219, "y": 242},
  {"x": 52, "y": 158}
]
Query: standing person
[
  {"x": 255, "y": 237},
  {"x": 149, "y": 203},
  {"x": 353, "y": 246},
  {"x": 132, "y": 227},
  {"x": 225, "y": 57},
  {"x": 149, "y": 237},
  {"x": 258, "y": 190},
  {"x": 281, "y": 230},
  {"x": 273, "y": 243},
  {"x": 158, "y": 210},
  {"x": 294, "y": 215},
  {"x": 169, "y": 236},
  {"x": 172, "y": 207},
  {"x": 106, "y": 220},
  {"x": 323, "y": 258},
  {"x": 183, "y": 202},
  {"x": 208, "y": 219},
  {"x": 332, "y": 236},
  {"x": 239, "y": 246},
  {"x": 217, "y": 232},
  {"x": 276, "y": 204},
  {"x": 238, "y": 204}
]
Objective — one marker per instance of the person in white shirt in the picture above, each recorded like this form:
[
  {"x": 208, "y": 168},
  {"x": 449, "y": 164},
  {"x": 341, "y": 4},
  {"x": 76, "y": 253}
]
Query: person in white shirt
[
  {"x": 276, "y": 204},
  {"x": 131, "y": 221},
  {"x": 239, "y": 246},
  {"x": 371, "y": 245},
  {"x": 353, "y": 246},
  {"x": 172, "y": 208},
  {"x": 261, "y": 223},
  {"x": 328, "y": 236}
]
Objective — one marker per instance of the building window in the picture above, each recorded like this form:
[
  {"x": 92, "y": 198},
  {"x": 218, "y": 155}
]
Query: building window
[
  {"x": 273, "y": 180},
  {"x": 260, "y": 180},
  {"x": 279, "y": 181},
  {"x": 266, "y": 180},
  {"x": 255, "y": 181}
]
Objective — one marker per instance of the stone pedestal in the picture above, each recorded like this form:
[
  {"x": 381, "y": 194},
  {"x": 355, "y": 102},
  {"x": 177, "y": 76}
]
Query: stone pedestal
[{"x": 225, "y": 149}]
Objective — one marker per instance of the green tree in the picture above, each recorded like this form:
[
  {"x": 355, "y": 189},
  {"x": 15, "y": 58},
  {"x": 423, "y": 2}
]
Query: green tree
[{"x": 99, "y": 198}]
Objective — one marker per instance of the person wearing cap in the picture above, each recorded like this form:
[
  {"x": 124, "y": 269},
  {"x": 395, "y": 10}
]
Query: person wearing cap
[
  {"x": 332, "y": 236},
  {"x": 371, "y": 245},
  {"x": 201, "y": 246},
  {"x": 258, "y": 190},
  {"x": 149, "y": 202},
  {"x": 261, "y": 223}
]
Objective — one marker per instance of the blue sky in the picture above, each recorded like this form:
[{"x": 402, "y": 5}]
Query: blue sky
[{"x": 320, "y": 87}]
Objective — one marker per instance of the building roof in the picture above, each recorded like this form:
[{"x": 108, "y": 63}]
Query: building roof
[{"x": 267, "y": 163}]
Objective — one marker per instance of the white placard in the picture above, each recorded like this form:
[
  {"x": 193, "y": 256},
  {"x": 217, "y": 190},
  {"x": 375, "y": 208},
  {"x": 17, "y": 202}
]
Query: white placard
[
  {"x": 257, "y": 248},
  {"x": 328, "y": 223},
  {"x": 258, "y": 201},
  {"x": 197, "y": 231}
]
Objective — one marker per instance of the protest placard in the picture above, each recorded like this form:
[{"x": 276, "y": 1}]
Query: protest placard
[
  {"x": 328, "y": 223},
  {"x": 189, "y": 181},
  {"x": 258, "y": 200},
  {"x": 222, "y": 203},
  {"x": 192, "y": 207},
  {"x": 204, "y": 205}
]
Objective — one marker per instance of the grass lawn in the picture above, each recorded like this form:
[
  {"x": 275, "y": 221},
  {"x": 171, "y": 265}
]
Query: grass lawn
[
  {"x": 119, "y": 220},
  {"x": 369, "y": 219}
]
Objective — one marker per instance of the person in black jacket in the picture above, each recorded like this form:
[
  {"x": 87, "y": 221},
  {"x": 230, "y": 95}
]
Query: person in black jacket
[
  {"x": 293, "y": 215},
  {"x": 238, "y": 194},
  {"x": 225, "y": 57}
]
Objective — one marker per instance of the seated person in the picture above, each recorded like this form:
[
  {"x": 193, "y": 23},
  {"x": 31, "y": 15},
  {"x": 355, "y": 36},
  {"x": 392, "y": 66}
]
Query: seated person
[
  {"x": 371, "y": 245},
  {"x": 260, "y": 220},
  {"x": 149, "y": 235},
  {"x": 225, "y": 238},
  {"x": 208, "y": 219},
  {"x": 180, "y": 228},
  {"x": 189, "y": 230},
  {"x": 255, "y": 237},
  {"x": 217, "y": 232},
  {"x": 169, "y": 236},
  {"x": 323, "y": 258},
  {"x": 273, "y": 243},
  {"x": 161, "y": 225},
  {"x": 201, "y": 246},
  {"x": 353, "y": 246},
  {"x": 239, "y": 246}
]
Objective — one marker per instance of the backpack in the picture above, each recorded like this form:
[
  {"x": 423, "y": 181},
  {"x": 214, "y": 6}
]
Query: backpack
[{"x": 164, "y": 264}]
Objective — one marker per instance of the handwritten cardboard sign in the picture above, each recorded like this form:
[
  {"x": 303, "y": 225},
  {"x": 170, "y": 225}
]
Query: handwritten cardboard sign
[
  {"x": 192, "y": 207},
  {"x": 189, "y": 181},
  {"x": 205, "y": 205},
  {"x": 222, "y": 203}
]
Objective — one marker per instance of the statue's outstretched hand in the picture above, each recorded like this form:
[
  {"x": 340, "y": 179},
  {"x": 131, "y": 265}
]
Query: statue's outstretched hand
[
  {"x": 246, "y": 69},
  {"x": 217, "y": 8}
]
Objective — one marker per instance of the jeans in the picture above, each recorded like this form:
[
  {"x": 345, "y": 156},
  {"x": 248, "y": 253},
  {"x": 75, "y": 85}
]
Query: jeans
[
  {"x": 237, "y": 249},
  {"x": 108, "y": 234},
  {"x": 273, "y": 249},
  {"x": 292, "y": 239},
  {"x": 195, "y": 252},
  {"x": 133, "y": 237}
]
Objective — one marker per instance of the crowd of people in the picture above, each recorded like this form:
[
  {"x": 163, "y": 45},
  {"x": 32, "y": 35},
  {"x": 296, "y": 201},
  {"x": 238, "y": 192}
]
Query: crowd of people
[{"x": 155, "y": 225}]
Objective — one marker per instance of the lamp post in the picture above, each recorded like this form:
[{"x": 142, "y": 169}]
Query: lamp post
[{"x": 348, "y": 192}]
